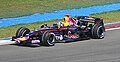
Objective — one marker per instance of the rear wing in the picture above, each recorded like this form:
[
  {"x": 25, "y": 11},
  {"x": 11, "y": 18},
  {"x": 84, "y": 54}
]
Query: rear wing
[{"x": 90, "y": 19}]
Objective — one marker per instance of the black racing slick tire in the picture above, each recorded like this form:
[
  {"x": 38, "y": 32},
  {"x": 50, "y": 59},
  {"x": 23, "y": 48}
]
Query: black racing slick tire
[
  {"x": 98, "y": 31},
  {"x": 48, "y": 39},
  {"x": 22, "y": 31}
]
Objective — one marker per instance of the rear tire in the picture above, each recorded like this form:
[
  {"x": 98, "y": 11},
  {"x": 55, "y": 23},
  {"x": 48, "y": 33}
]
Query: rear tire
[
  {"x": 98, "y": 31},
  {"x": 48, "y": 39}
]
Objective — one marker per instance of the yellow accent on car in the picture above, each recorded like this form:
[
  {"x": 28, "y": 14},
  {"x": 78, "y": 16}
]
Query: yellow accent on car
[
  {"x": 65, "y": 22},
  {"x": 23, "y": 39}
]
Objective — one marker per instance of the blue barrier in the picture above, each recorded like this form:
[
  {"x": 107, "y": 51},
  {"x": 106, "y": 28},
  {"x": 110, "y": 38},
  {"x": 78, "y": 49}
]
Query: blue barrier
[{"x": 38, "y": 17}]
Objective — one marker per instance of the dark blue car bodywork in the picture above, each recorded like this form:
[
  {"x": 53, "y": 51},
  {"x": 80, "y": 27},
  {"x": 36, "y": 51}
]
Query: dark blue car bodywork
[{"x": 87, "y": 27}]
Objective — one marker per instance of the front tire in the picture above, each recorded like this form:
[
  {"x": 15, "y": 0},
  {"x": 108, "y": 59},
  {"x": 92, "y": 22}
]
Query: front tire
[{"x": 22, "y": 31}]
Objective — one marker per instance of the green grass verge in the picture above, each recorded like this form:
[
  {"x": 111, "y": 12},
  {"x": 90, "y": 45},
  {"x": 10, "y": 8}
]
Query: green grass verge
[
  {"x": 15, "y": 8},
  {"x": 113, "y": 16},
  {"x": 109, "y": 17}
]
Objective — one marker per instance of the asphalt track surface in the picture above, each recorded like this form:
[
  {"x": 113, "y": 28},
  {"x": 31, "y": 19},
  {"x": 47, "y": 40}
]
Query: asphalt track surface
[{"x": 93, "y": 50}]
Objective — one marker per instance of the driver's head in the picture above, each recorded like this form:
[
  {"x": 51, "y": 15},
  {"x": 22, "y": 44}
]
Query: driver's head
[{"x": 66, "y": 17}]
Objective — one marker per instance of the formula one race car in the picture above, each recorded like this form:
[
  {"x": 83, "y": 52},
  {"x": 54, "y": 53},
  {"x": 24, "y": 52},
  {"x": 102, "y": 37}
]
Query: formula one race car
[{"x": 86, "y": 28}]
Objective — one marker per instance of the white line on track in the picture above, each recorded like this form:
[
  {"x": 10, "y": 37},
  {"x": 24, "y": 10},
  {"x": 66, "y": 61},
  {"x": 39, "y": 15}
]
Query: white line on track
[
  {"x": 112, "y": 29},
  {"x": 5, "y": 42}
]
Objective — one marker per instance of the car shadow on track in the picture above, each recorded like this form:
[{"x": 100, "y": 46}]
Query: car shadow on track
[
  {"x": 31, "y": 46},
  {"x": 36, "y": 45}
]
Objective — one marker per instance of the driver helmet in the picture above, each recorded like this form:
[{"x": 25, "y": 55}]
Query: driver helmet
[{"x": 66, "y": 18}]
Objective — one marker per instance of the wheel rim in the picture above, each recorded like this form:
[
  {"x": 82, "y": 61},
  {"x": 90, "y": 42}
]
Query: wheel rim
[
  {"x": 101, "y": 32},
  {"x": 51, "y": 39}
]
